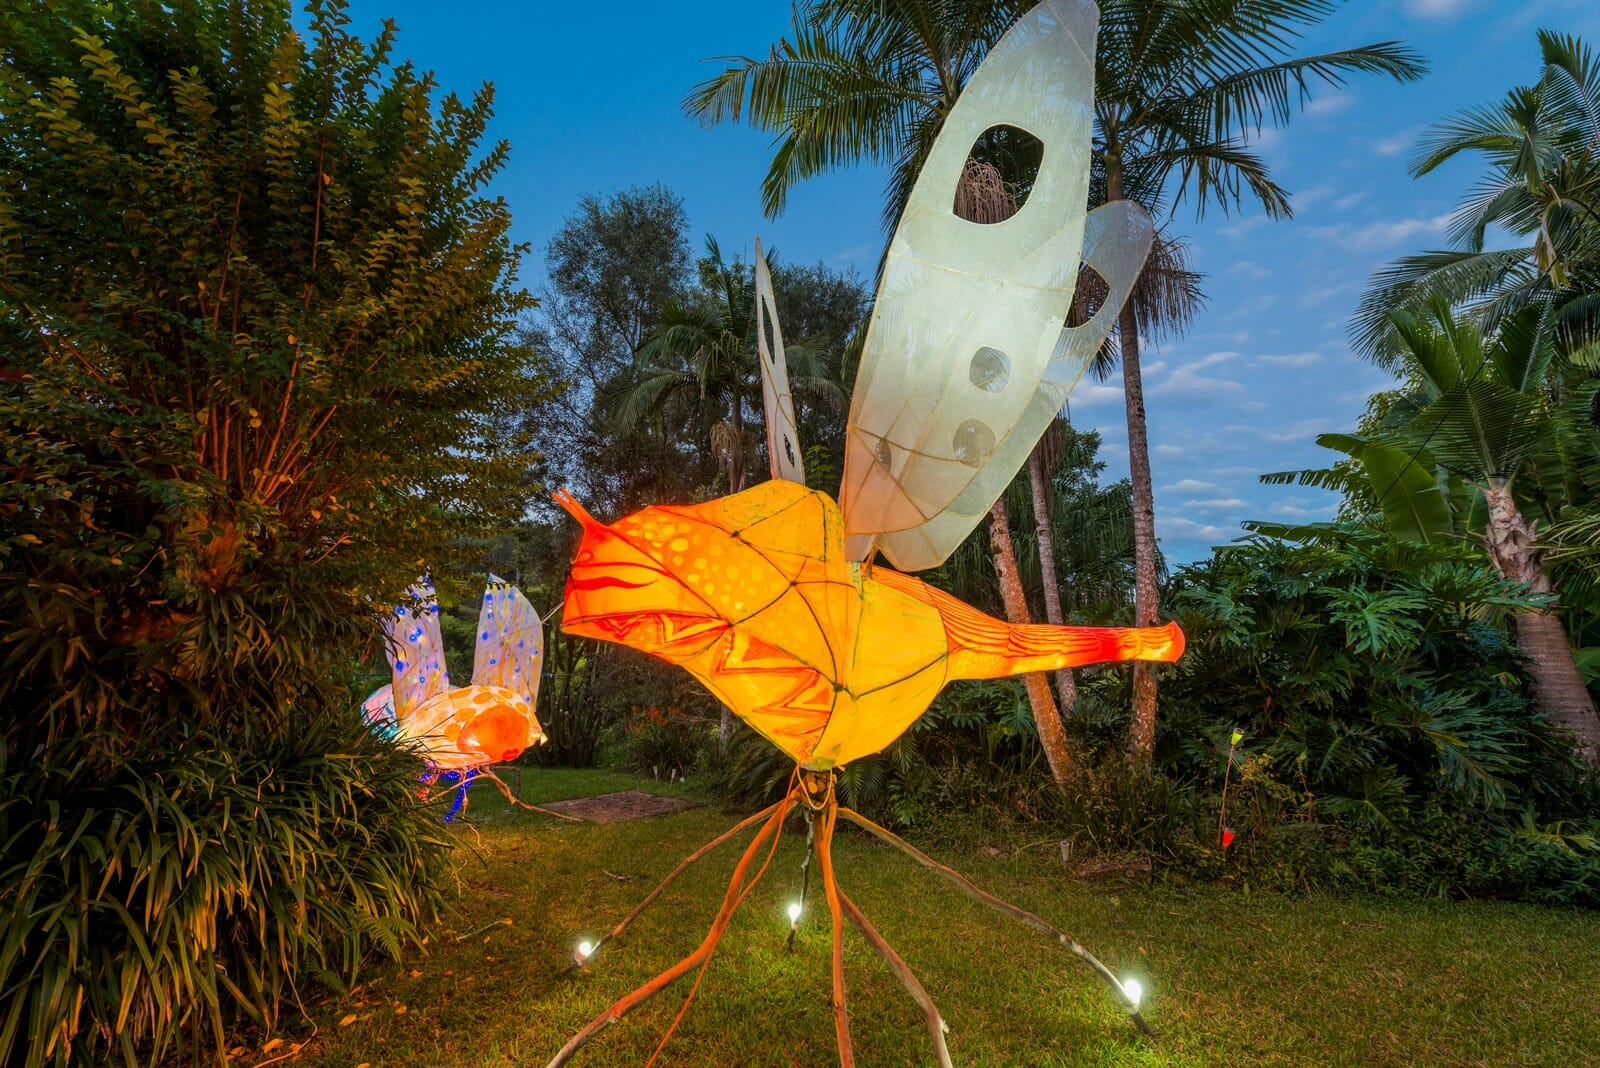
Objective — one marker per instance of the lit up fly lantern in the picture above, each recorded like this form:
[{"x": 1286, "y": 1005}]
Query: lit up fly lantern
[
  {"x": 770, "y": 597},
  {"x": 461, "y": 730}
]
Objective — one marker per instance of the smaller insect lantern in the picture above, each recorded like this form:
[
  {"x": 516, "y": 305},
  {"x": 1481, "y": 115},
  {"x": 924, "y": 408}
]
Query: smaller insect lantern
[{"x": 462, "y": 730}]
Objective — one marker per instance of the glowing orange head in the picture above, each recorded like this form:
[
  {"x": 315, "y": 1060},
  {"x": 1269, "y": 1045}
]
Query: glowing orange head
[
  {"x": 498, "y": 733},
  {"x": 626, "y": 579}
]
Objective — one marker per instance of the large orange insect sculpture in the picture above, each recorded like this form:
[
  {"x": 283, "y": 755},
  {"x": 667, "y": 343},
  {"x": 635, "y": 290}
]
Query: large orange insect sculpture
[{"x": 770, "y": 596}]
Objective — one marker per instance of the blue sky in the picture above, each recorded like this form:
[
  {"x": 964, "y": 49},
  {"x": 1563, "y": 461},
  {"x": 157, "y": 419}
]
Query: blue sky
[{"x": 588, "y": 96}]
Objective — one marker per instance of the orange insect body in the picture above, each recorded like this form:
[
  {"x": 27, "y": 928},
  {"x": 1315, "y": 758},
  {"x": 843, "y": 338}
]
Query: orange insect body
[{"x": 829, "y": 659}]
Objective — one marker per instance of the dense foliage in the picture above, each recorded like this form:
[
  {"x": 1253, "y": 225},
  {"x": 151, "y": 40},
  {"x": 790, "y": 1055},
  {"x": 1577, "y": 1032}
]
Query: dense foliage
[
  {"x": 256, "y": 367},
  {"x": 200, "y": 884},
  {"x": 1388, "y": 737}
]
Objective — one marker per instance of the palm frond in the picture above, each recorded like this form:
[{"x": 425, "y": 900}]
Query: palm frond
[{"x": 1412, "y": 283}]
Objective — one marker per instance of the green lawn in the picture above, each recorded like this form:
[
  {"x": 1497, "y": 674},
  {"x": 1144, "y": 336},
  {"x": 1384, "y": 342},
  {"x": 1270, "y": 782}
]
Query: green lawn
[{"x": 1229, "y": 978}]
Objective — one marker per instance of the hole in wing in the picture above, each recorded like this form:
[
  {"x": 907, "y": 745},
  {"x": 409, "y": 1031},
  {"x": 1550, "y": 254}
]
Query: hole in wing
[{"x": 1002, "y": 168}]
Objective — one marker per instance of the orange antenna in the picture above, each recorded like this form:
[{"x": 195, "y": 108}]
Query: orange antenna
[{"x": 574, "y": 509}]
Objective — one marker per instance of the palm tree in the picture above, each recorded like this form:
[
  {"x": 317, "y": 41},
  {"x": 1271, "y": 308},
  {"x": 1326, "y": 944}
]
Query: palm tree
[
  {"x": 1179, "y": 84},
  {"x": 1040, "y": 467},
  {"x": 700, "y": 351},
  {"x": 1542, "y": 144},
  {"x": 1477, "y": 442}
]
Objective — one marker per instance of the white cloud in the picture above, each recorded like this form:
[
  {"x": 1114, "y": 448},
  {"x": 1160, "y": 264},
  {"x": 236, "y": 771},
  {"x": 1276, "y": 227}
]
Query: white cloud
[
  {"x": 1304, "y": 198},
  {"x": 1243, "y": 227},
  {"x": 1249, "y": 270},
  {"x": 1345, "y": 203},
  {"x": 1296, "y": 511},
  {"x": 1170, "y": 452},
  {"x": 1187, "y": 381},
  {"x": 1305, "y": 430},
  {"x": 1292, "y": 359},
  {"x": 1216, "y": 503},
  {"x": 1189, "y": 485},
  {"x": 1395, "y": 143},
  {"x": 1323, "y": 294},
  {"x": 1178, "y": 528},
  {"x": 1436, "y": 9},
  {"x": 1330, "y": 105},
  {"x": 1096, "y": 395},
  {"x": 1383, "y": 234}
]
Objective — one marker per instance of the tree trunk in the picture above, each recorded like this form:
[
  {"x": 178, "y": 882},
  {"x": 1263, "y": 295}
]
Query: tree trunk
[
  {"x": 1052, "y": 737},
  {"x": 1066, "y": 684},
  {"x": 1146, "y": 593},
  {"x": 1557, "y": 683}
]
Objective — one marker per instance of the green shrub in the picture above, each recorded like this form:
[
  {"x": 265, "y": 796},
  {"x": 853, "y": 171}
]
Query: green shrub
[
  {"x": 256, "y": 371},
  {"x": 197, "y": 884},
  {"x": 1388, "y": 739},
  {"x": 664, "y": 743}
]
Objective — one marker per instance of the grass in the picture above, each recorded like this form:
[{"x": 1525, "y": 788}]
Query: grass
[{"x": 1230, "y": 978}]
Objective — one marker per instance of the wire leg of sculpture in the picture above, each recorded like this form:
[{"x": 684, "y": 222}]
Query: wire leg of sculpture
[
  {"x": 826, "y": 821},
  {"x": 730, "y": 901},
  {"x": 971, "y": 890},
  {"x": 517, "y": 802},
  {"x": 936, "y": 1024},
  {"x": 638, "y": 910}
]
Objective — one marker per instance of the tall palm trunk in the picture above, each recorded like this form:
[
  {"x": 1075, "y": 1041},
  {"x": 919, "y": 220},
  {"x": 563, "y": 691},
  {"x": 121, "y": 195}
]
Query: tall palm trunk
[
  {"x": 1557, "y": 684},
  {"x": 1066, "y": 684},
  {"x": 1146, "y": 592},
  {"x": 1052, "y": 736}
]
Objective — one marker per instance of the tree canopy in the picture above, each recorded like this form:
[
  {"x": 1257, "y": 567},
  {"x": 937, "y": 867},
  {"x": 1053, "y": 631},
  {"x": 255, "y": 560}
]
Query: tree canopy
[{"x": 257, "y": 338}]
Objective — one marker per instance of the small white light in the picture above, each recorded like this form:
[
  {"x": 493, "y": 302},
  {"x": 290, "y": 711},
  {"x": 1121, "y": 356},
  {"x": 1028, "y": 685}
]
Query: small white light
[
  {"x": 584, "y": 949},
  {"x": 794, "y": 912},
  {"x": 1132, "y": 991}
]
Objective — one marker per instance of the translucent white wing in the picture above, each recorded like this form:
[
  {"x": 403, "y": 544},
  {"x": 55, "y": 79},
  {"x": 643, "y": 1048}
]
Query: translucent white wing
[
  {"x": 510, "y": 650},
  {"x": 783, "y": 435},
  {"x": 966, "y": 359},
  {"x": 416, "y": 651}
]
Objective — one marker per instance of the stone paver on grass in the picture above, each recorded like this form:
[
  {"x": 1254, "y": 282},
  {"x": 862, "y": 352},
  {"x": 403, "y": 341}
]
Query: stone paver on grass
[{"x": 623, "y": 805}]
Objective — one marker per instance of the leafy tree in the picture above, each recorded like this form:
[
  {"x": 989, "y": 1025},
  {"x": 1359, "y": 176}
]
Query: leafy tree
[
  {"x": 702, "y": 352},
  {"x": 1367, "y": 677},
  {"x": 1476, "y": 411},
  {"x": 1542, "y": 147},
  {"x": 613, "y": 267},
  {"x": 255, "y": 323},
  {"x": 260, "y": 311}
]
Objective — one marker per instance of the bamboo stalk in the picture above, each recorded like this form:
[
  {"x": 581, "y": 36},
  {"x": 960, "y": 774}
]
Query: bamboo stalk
[
  {"x": 730, "y": 901},
  {"x": 936, "y": 1024},
  {"x": 971, "y": 890}
]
